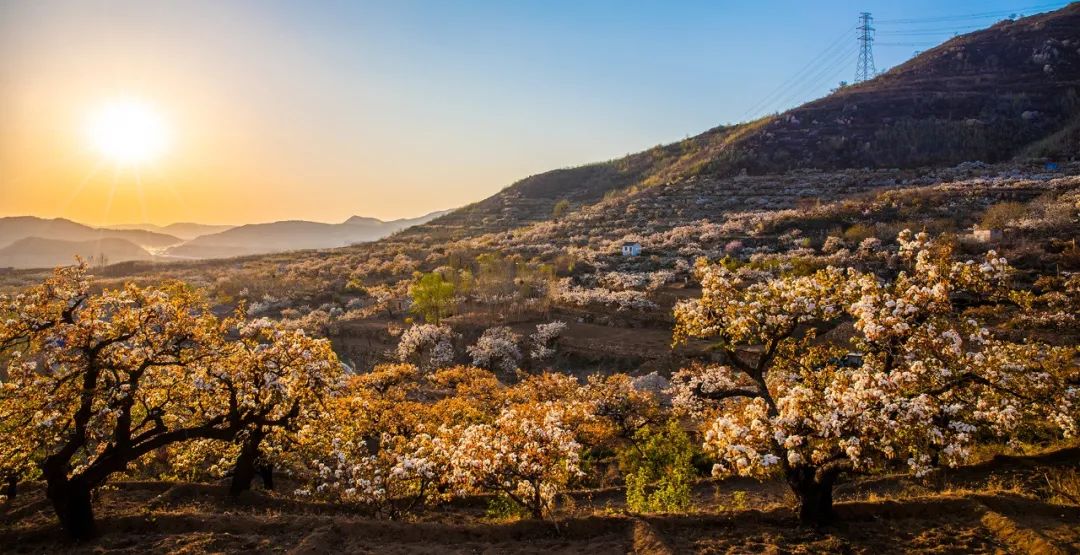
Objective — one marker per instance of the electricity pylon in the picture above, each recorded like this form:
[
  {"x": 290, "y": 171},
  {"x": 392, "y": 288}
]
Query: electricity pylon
[{"x": 865, "y": 68}]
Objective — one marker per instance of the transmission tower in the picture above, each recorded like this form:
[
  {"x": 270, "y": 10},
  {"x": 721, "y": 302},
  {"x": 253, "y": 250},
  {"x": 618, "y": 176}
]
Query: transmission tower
[{"x": 865, "y": 68}]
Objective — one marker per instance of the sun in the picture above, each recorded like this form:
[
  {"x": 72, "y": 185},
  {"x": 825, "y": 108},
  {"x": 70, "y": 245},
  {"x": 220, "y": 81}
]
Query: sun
[{"x": 128, "y": 132}]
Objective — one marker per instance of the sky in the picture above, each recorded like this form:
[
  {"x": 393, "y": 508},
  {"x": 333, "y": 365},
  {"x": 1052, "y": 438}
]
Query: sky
[{"x": 321, "y": 110}]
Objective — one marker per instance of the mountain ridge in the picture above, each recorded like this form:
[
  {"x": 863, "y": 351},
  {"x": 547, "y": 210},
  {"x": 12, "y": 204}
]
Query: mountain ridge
[
  {"x": 1012, "y": 88},
  {"x": 183, "y": 230},
  {"x": 38, "y": 252},
  {"x": 31, "y": 241},
  {"x": 288, "y": 235},
  {"x": 13, "y": 228}
]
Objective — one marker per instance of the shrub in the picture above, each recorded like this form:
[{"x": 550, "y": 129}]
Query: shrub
[
  {"x": 659, "y": 472},
  {"x": 560, "y": 208},
  {"x": 857, "y": 233},
  {"x": 1002, "y": 215},
  {"x": 501, "y": 508}
]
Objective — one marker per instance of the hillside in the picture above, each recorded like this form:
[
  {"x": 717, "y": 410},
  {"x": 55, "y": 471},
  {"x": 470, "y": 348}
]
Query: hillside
[
  {"x": 37, "y": 252},
  {"x": 1009, "y": 90},
  {"x": 291, "y": 235}
]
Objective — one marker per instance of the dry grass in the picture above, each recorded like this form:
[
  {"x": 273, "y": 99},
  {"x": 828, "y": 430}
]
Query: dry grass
[
  {"x": 1006, "y": 504},
  {"x": 1064, "y": 486}
]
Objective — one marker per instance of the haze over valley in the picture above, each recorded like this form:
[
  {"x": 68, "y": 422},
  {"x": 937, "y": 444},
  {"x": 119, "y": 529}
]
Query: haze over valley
[{"x": 29, "y": 242}]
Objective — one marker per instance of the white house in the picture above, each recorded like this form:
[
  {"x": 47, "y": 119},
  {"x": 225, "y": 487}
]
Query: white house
[
  {"x": 631, "y": 249},
  {"x": 988, "y": 235}
]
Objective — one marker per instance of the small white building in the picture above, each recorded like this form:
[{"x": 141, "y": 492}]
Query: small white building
[
  {"x": 631, "y": 249},
  {"x": 988, "y": 235}
]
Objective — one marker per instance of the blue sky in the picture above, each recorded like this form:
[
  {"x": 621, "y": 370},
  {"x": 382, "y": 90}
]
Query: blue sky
[{"x": 399, "y": 107}]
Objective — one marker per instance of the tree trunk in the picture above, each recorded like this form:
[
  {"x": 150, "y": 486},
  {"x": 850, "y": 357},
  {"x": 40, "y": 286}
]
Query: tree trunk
[
  {"x": 373, "y": 443},
  {"x": 266, "y": 472},
  {"x": 537, "y": 503},
  {"x": 11, "y": 486},
  {"x": 72, "y": 504},
  {"x": 245, "y": 468},
  {"x": 814, "y": 500}
]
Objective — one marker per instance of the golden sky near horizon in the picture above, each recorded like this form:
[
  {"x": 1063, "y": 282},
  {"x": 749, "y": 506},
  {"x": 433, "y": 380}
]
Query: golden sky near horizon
[
  {"x": 224, "y": 162},
  {"x": 266, "y": 121}
]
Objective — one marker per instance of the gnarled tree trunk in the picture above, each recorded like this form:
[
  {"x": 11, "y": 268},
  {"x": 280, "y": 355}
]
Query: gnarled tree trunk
[
  {"x": 245, "y": 469},
  {"x": 71, "y": 500},
  {"x": 11, "y": 486},
  {"x": 266, "y": 472},
  {"x": 537, "y": 508},
  {"x": 813, "y": 495}
]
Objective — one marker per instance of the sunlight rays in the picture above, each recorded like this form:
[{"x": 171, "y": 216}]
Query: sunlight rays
[{"x": 129, "y": 132}]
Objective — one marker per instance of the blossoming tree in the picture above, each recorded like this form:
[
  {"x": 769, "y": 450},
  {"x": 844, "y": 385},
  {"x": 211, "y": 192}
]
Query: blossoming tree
[
  {"x": 544, "y": 340},
  {"x": 97, "y": 381},
  {"x": 374, "y": 447},
  {"x": 289, "y": 376},
  {"x": 497, "y": 350},
  {"x": 527, "y": 454},
  {"x": 427, "y": 346},
  {"x": 924, "y": 383}
]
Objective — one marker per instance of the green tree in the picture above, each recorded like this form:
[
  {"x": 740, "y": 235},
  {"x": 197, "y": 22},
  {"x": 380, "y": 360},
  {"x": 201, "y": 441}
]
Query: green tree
[
  {"x": 432, "y": 297},
  {"x": 659, "y": 469},
  {"x": 560, "y": 209}
]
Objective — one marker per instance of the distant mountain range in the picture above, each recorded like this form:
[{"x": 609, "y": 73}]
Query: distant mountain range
[
  {"x": 35, "y": 252},
  {"x": 292, "y": 235},
  {"x": 13, "y": 229},
  {"x": 31, "y": 242},
  {"x": 186, "y": 231}
]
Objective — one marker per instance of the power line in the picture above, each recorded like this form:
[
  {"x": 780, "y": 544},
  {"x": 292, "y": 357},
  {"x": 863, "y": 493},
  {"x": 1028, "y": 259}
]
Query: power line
[
  {"x": 905, "y": 43},
  {"x": 834, "y": 48},
  {"x": 826, "y": 73},
  {"x": 834, "y": 57},
  {"x": 929, "y": 33},
  {"x": 812, "y": 80},
  {"x": 931, "y": 30},
  {"x": 977, "y": 15}
]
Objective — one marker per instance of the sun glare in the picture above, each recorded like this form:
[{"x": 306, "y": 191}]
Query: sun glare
[{"x": 128, "y": 132}]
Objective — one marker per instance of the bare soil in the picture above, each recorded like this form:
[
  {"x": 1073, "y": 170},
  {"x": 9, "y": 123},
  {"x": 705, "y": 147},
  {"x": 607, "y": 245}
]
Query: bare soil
[{"x": 1002, "y": 506}]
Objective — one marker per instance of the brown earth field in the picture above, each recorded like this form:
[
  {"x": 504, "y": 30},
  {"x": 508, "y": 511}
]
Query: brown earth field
[{"x": 1008, "y": 504}]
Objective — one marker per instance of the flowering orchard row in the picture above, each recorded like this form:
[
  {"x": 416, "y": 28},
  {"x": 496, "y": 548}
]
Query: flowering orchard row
[{"x": 150, "y": 382}]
